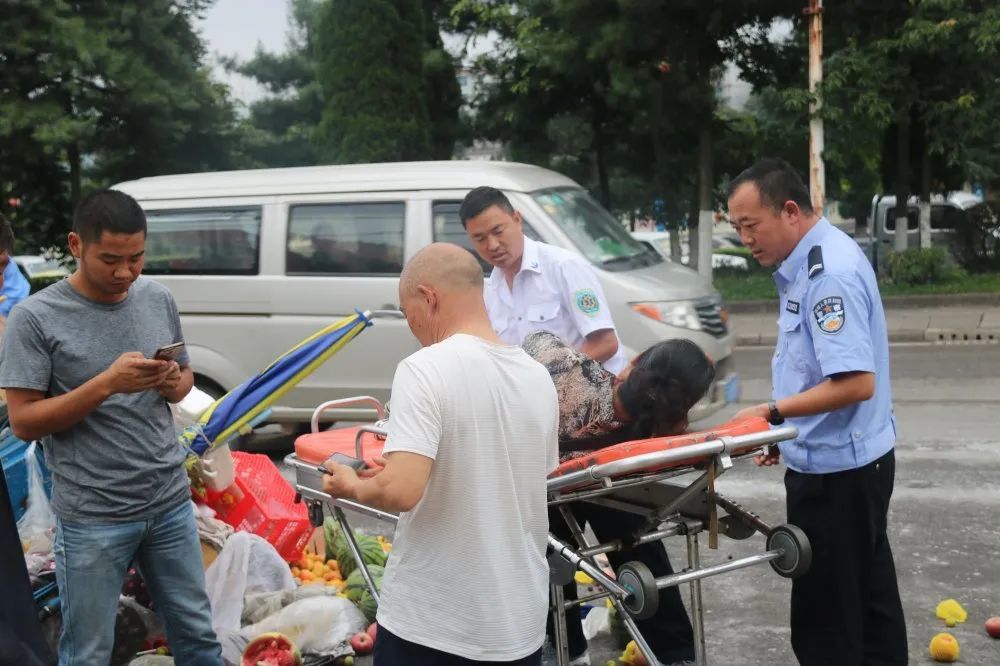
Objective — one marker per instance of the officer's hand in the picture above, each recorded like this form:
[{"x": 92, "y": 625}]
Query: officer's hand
[
  {"x": 378, "y": 464},
  {"x": 133, "y": 373},
  {"x": 750, "y": 412},
  {"x": 770, "y": 456}
]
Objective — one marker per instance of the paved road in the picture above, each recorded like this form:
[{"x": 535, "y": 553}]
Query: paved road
[{"x": 943, "y": 522}]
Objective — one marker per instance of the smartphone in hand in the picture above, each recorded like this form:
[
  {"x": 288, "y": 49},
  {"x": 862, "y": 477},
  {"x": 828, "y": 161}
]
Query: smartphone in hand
[
  {"x": 169, "y": 352},
  {"x": 356, "y": 464}
]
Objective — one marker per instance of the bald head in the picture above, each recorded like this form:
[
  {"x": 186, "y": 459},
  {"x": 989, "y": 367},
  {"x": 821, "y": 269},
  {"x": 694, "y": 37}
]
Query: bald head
[{"x": 443, "y": 267}]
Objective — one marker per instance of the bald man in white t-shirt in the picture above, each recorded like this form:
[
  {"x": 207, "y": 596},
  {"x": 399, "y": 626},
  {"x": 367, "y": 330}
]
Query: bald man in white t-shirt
[{"x": 472, "y": 437}]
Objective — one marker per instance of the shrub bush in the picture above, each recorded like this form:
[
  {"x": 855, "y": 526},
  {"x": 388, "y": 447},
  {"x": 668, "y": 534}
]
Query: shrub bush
[
  {"x": 927, "y": 266},
  {"x": 977, "y": 244}
]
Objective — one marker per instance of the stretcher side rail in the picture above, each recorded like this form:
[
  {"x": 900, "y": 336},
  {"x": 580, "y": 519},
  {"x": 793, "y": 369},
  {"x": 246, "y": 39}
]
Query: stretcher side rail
[{"x": 728, "y": 445}]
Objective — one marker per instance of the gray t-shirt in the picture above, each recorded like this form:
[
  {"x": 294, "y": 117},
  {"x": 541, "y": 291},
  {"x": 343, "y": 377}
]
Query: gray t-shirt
[{"x": 123, "y": 461}]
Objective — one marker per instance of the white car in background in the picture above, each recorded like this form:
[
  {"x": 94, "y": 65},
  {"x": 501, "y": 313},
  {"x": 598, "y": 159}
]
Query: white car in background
[{"x": 660, "y": 242}]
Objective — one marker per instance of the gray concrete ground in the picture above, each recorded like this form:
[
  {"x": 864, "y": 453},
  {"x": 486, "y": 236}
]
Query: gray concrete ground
[
  {"x": 943, "y": 521},
  {"x": 940, "y": 323}
]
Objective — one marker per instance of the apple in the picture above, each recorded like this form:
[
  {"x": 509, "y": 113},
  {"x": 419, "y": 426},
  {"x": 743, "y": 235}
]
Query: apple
[
  {"x": 372, "y": 630},
  {"x": 993, "y": 627},
  {"x": 362, "y": 643}
]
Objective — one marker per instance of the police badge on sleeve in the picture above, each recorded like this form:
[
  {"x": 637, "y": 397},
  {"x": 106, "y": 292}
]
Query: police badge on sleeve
[{"x": 830, "y": 314}]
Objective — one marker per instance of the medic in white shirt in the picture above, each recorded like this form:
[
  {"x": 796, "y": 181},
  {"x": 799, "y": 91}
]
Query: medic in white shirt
[{"x": 535, "y": 286}]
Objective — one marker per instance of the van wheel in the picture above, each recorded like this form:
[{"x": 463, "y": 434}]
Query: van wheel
[{"x": 208, "y": 386}]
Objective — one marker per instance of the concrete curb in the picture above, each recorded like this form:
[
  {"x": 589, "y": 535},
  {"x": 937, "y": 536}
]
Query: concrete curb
[
  {"x": 939, "y": 335},
  {"x": 888, "y": 302}
]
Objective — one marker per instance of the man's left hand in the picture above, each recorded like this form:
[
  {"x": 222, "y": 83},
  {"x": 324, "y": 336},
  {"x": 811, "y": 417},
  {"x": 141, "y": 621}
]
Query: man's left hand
[
  {"x": 762, "y": 411},
  {"x": 171, "y": 381},
  {"x": 340, "y": 480}
]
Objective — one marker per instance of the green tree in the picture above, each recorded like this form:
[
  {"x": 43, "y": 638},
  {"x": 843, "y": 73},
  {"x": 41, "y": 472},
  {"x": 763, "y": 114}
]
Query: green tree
[
  {"x": 98, "y": 92},
  {"x": 370, "y": 68}
]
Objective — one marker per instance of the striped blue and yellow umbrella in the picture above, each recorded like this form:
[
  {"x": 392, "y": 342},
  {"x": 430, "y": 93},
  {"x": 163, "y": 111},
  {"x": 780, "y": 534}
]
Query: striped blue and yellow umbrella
[{"x": 249, "y": 402}]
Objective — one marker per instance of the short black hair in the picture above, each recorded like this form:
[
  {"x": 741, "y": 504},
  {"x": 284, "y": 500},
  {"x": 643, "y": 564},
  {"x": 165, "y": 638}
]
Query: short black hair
[
  {"x": 777, "y": 182},
  {"x": 6, "y": 235},
  {"x": 480, "y": 199},
  {"x": 108, "y": 210}
]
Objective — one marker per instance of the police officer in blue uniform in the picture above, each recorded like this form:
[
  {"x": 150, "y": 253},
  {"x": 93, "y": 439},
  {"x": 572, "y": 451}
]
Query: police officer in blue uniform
[{"x": 830, "y": 374}]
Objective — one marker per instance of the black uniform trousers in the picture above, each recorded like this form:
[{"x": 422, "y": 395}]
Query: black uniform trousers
[
  {"x": 846, "y": 609},
  {"x": 669, "y": 631}
]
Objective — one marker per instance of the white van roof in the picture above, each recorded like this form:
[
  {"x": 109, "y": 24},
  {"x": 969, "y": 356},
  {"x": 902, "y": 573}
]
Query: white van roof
[
  {"x": 957, "y": 198},
  {"x": 451, "y": 175}
]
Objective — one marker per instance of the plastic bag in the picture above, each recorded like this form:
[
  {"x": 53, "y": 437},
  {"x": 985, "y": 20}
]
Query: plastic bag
[
  {"x": 256, "y": 607},
  {"x": 216, "y": 468},
  {"x": 247, "y": 565},
  {"x": 320, "y": 625},
  {"x": 37, "y": 526}
]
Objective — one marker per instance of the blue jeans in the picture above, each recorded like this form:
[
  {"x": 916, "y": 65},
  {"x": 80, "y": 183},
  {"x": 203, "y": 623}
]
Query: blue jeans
[{"x": 91, "y": 563}]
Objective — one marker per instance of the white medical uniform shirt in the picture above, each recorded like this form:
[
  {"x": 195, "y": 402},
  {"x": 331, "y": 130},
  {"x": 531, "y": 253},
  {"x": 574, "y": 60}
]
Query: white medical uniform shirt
[{"x": 555, "y": 291}]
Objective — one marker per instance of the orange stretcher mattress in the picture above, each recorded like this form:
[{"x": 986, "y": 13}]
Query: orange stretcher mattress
[
  {"x": 639, "y": 447},
  {"x": 317, "y": 447}
]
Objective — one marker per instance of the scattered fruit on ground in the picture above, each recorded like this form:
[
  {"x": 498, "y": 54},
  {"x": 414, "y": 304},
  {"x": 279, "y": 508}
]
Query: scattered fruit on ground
[
  {"x": 313, "y": 568},
  {"x": 944, "y": 648},
  {"x": 993, "y": 627},
  {"x": 271, "y": 649},
  {"x": 362, "y": 643},
  {"x": 632, "y": 656},
  {"x": 951, "y": 610},
  {"x": 582, "y": 578}
]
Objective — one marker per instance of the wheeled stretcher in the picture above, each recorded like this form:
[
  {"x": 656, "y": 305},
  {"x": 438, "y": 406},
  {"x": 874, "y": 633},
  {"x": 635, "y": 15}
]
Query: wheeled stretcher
[{"x": 669, "y": 481}]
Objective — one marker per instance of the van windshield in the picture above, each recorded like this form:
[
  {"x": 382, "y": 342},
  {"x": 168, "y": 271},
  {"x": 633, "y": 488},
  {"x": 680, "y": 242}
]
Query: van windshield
[{"x": 593, "y": 230}]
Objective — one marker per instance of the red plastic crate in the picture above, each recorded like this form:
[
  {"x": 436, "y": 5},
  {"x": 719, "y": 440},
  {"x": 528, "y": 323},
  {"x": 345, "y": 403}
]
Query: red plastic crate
[{"x": 262, "y": 502}]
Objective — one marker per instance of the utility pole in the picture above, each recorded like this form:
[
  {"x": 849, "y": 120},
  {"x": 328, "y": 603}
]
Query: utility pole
[{"x": 817, "y": 172}]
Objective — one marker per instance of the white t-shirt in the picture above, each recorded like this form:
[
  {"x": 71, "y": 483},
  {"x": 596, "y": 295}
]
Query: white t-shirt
[
  {"x": 467, "y": 574},
  {"x": 556, "y": 291}
]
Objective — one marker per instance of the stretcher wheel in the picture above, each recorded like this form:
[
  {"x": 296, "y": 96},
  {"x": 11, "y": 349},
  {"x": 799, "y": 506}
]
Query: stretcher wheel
[
  {"x": 797, "y": 552},
  {"x": 315, "y": 514},
  {"x": 644, "y": 596}
]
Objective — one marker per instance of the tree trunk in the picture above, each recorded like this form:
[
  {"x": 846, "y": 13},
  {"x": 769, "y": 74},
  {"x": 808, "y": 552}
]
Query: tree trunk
[
  {"x": 73, "y": 157},
  {"x": 660, "y": 152},
  {"x": 902, "y": 179},
  {"x": 701, "y": 236},
  {"x": 925, "y": 189},
  {"x": 601, "y": 162}
]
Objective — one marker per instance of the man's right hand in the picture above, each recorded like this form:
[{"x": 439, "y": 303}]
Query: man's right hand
[{"x": 133, "y": 373}]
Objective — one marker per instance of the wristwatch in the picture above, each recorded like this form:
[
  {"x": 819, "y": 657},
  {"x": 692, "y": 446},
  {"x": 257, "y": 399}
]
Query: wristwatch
[{"x": 774, "y": 417}]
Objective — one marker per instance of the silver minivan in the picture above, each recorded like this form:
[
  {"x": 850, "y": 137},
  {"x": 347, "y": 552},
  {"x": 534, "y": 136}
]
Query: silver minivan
[{"x": 258, "y": 260}]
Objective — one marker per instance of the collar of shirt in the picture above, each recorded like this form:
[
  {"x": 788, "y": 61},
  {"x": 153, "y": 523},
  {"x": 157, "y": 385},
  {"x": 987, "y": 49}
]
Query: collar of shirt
[
  {"x": 790, "y": 267},
  {"x": 529, "y": 262}
]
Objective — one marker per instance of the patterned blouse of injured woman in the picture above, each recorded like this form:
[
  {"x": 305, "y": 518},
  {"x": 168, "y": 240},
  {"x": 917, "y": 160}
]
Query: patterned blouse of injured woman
[{"x": 650, "y": 398}]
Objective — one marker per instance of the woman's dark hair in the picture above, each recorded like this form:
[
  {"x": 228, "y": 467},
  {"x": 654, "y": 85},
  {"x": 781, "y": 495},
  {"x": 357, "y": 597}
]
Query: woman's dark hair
[{"x": 666, "y": 382}]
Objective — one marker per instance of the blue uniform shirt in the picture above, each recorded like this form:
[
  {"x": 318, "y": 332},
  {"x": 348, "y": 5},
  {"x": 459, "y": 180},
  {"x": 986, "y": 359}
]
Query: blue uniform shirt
[
  {"x": 15, "y": 287},
  {"x": 832, "y": 321}
]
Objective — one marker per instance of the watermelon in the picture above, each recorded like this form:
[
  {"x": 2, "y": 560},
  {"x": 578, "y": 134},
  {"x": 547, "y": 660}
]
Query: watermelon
[
  {"x": 271, "y": 649},
  {"x": 357, "y": 591},
  {"x": 369, "y": 547}
]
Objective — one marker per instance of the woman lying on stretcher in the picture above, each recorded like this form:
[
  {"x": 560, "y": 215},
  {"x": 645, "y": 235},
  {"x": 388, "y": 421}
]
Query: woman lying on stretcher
[{"x": 650, "y": 398}]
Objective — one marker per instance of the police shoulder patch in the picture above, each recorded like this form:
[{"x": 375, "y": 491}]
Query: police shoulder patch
[
  {"x": 830, "y": 314},
  {"x": 586, "y": 301}
]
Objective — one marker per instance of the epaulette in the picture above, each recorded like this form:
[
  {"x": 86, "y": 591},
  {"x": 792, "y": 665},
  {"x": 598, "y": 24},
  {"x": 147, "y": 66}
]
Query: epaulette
[{"x": 815, "y": 265}]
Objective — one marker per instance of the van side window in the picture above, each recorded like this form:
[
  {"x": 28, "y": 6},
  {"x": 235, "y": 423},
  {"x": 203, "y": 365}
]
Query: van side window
[
  {"x": 206, "y": 241},
  {"x": 352, "y": 238},
  {"x": 448, "y": 229},
  {"x": 912, "y": 219}
]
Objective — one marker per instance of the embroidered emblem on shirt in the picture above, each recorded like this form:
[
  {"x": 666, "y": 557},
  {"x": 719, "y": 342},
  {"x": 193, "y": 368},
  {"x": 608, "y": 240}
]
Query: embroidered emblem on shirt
[
  {"x": 830, "y": 314},
  {"x": 586, "y": 301},
  {"x": 793, "y": 307}
]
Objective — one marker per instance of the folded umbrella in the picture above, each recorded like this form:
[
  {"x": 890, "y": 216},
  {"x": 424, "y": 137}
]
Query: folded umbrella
[{"x": 250, "y": 401}]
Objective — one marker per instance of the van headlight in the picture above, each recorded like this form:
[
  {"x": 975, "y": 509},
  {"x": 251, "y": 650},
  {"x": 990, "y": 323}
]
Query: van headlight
[{"x": 681, "y": 314}]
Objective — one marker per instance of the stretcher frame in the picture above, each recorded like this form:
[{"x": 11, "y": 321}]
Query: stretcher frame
[{"x": 670, "y": 510}]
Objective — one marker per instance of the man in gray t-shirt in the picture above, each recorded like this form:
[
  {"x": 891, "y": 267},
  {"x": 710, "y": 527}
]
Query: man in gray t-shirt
[{"x": 79, "y": 374}]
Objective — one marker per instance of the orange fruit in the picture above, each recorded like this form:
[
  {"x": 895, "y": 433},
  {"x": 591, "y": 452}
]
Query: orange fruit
[{"x": 944, "y": 648}]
